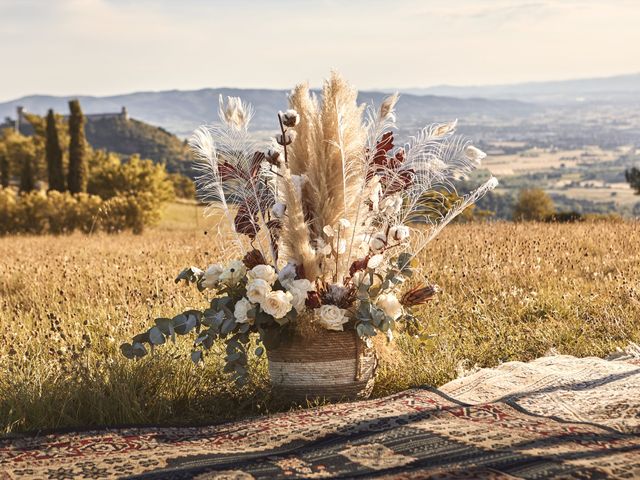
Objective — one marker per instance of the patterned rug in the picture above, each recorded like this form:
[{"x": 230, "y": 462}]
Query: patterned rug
[{"x": 556, "y": 417}]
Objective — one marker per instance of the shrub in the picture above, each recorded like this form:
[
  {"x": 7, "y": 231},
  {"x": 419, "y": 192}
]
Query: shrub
[
  {"x": 533, "y": 204},
  {"x": 62, "y": 212}
]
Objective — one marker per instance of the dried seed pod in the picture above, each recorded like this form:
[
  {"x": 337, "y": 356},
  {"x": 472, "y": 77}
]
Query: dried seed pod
[{"x": 419, "y": 295}]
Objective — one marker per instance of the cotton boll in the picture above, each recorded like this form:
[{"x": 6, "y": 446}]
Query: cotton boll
[
  {"x": 398, "y": 233},
  {"x": 378, "y": 242},
  {"x": 290, "y": 118}
]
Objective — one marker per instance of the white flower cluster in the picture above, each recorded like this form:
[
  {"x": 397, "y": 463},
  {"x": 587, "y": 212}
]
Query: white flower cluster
[
  {"x": 259, "y": 289},
  {"x": 230, "y": 275}
]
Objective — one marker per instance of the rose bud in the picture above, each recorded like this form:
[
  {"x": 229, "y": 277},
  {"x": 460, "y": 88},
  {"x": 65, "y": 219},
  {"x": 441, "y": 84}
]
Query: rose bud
[{"x": 419, "y": 295}]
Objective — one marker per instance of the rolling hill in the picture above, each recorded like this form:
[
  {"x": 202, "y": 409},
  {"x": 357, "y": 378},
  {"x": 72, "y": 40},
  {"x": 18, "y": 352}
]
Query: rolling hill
[{"x": 180, "y": 112}]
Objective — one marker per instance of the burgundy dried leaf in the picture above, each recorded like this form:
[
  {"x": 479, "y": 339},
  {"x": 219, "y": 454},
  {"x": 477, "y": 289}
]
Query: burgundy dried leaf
[
  {"x": 358, "y": 265},
  {"x": 258, "y": 158},
  {"x": 253, "y": 258},
  {"x": 313, "y": 300},
  {"x": 227, "y": 171},
  {"x": 244, "y": 223}
]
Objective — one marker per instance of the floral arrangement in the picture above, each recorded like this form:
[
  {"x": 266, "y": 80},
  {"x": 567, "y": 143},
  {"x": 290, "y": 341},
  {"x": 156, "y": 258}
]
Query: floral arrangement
[{"x": 326, "y": 223}]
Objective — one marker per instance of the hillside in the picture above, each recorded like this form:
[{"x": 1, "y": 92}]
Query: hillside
[
  {"x": 131, "y": 136},
  {"x": 180, "y": 112}
]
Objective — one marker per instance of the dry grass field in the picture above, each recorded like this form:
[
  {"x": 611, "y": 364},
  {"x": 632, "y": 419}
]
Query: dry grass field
[{"x": 511, "y": 292}]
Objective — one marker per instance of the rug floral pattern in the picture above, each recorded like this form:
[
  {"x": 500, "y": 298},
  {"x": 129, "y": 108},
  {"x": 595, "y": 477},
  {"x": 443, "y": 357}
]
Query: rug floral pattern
[{"x": 556, "y": 417}]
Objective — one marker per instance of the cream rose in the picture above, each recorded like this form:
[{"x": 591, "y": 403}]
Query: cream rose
[
  {"x": 277, "y": 303},
  {"x": 233, "y": 273},
  {"x": 257, "y": 290},
  {"x": 240, "y": 311},
  {"x": 299, "y": 290},
  {"x": 264, "y": 272},
  {"x": 211, "y": 275},
  {"x": 332, "y": 317},
  {"x": 390, "y": 305}
]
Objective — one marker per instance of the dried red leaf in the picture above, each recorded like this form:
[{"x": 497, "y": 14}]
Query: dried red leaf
[
  {"x": 245, "y": 224},
  {"x": 358, "y": 265},
  {"x": 253, "y": 258}
]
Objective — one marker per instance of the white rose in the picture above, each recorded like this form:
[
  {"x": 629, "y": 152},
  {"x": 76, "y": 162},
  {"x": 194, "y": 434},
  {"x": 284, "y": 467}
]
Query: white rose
[
  {"x": 332, "y": 317},
  {"x": 390, "y": 305},
  {"x": 264, "y": 272},
  {"x": 257, "y": 290},
  {"x": 398, "y": 233},
  {"x": 233, "y": 273},
  {"x": 378, "y": 242},
  {"x": 299, "y": 290},
  {"x": 211, "y": 275},
  {"x": 277, "y": 303},
  {"x": 375, "y": 261},
  {"x": 240, "y": 311}
]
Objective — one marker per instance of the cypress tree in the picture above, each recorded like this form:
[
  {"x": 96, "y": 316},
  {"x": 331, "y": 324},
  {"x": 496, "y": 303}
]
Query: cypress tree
[
  {"x": 27, "y": 180},
  {"x": 4, "y": 169},
  {"x": 54, "y": 155},
  {"x": 78, "y": 168}
]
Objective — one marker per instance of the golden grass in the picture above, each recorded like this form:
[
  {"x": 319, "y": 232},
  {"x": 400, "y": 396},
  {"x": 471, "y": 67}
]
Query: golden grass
[{"x": 511, "y": 292}]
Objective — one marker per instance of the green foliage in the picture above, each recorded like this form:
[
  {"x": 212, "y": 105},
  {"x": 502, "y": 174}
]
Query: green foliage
[
  {"x": 633, "y": 178},
  {"x": 110, "y": 177},
  {"x": 20, "y": 155},
  {"x": 183, "y": 186},
  {"x": 533, "y": 204},
  {"x": 134, "y": 191},
  {"x": 56, "y": 212},
  {"x": 4, "y": 166},
  {"x": 53, "y": 152},
  {"x": 129, "y": 137},
  {"x": 78, "y": 167}
]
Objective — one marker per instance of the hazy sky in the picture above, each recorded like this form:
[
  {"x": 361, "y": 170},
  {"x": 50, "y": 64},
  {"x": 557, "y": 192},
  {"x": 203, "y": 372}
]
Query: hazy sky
[{"x": 116, "y": 46}]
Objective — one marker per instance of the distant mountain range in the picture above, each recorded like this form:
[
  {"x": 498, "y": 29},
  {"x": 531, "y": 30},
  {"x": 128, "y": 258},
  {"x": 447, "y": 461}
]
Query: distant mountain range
[
  {"x": 605, "y": 89},
  {"x": 181, "y": 112}
]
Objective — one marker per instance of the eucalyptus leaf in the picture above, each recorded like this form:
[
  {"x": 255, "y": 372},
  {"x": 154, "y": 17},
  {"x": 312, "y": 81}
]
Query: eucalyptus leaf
[
  {"x": 127, "y": 351},
  {"x": 156, "y": 337},
  {"x": 227, "y": 325},
  {"x": 165, "y": 325},
  {"x": 259, "y": 351},
  {"x": 196, "y": 356},
  {"x": 139, "y": 350}
]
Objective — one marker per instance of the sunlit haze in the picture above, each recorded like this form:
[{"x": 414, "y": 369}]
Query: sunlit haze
[{"x": 102, "y": 47}]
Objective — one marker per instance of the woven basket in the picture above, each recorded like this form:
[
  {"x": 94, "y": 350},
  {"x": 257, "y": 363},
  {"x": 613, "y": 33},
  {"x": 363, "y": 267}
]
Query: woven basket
[{"x": 333, "y": 366}]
